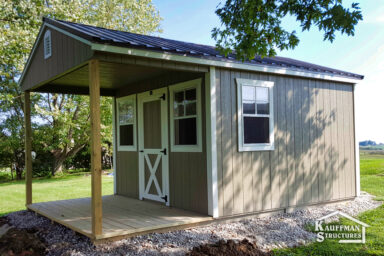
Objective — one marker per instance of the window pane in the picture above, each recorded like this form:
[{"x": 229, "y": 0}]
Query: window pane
[
  {"x": 263, "y": 108},
  {"x": 248, "y": 92},
  {"x": 249, "y": 108},
  {"x": 179, "y": 97},
  {"x": 185, "y": 131},
  {"x": 262, "y": 94},
  {"x": 126, "y": 135},
  {"x": 190, "y": 94},
  {"x": 190, "y": 109},
  {"x": 256, "y": 130},
  {"x": 178, "y": 110},
  {"x": 126, "y": 113}
]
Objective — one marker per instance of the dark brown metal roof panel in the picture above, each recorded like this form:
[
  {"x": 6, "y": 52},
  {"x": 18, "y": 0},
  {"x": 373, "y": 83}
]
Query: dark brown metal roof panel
[{"x": 152, "y": 43}]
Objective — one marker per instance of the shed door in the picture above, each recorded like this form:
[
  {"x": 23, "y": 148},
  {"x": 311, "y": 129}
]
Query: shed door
[{"x": 153, "y": 145}]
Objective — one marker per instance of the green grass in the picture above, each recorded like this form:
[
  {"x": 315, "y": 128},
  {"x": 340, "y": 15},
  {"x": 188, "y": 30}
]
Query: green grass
[
  {"x": 372, "y": 181},
  {"x": 12, "y": 194}
]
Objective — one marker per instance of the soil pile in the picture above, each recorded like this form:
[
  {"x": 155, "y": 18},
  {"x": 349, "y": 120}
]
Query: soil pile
[
  {"x": 20, "y": 242},
  {"x": 228, "y": 248}
]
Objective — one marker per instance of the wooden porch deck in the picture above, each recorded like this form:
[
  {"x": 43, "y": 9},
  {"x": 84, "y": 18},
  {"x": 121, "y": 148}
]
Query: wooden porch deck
[{"x": 122, "y": 216}]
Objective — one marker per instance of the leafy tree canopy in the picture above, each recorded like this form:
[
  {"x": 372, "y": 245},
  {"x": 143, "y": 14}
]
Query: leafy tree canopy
[
  {"x": 254, "y": 27},
  {"x": 60, "y": 122}
]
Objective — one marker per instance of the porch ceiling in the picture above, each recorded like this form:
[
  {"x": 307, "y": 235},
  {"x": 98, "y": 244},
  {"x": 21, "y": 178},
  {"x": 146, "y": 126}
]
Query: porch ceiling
[{"x": 113, "y": 76}]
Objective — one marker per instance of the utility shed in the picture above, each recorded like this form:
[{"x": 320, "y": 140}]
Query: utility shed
[{"x": 204, "y": 136}]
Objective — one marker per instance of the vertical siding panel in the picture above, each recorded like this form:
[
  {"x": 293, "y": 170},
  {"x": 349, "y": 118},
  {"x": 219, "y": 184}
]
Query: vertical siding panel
[
  {"x": 347, "y": 144},
  {"x": 306, "y": 126},
  {"x": 237, "y": 172},
  {"x": 340, "y": 123},
  {"x": 186, "y": 200},
  {"x": 290, "y": 141},
  {"x": 266, "y": 180},
  {"x": 55, "y": 51},
  {"x": 257, "y": 185},
  {"x": 328, "y": 142},
  {"x": 219, "y": 130},
  {"x": 335, "y": 151},
  {"x": 313, "y": 142},
  {"x": 281, "y": 138},
  {"x": 298, "y": 141},
  {"x": 321, "y": 140},
  {"x": 227, "y": 143},
  {"x": 274, "y": 154},
  {"x": 247, "y": 178},
  {"x": 352, "y": 137}
]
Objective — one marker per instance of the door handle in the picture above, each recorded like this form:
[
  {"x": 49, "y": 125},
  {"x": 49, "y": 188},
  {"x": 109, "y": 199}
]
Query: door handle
[
  {"x": 164, "y": 151},
  {"x": 141, "y": 151}
]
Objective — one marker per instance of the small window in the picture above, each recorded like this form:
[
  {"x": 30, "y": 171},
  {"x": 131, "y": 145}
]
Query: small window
[
  {"x": 255, "y": 115},
  {"x": 126, "y": 123},
  {"x": 185, "y": 111},
  {"x": 47, "y": 44}
]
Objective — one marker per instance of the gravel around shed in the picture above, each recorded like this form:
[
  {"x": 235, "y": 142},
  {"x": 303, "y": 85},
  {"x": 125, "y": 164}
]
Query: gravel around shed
[{"x": 280, "y": 230}]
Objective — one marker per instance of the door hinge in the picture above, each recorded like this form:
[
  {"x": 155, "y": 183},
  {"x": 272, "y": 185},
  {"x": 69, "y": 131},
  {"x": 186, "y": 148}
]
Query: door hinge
[
  {"x": 164, "y": 151},
  {"x": 162, "y": 96},
  {"x": 165, "y": 198}
]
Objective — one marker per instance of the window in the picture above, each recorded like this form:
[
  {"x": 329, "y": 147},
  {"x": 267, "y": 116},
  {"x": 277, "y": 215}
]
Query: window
[
  {"x": 47, "y": 44},
  {"x": 255, "y": 115},
  {"x": 126, "y": 123},
  {"x": 185, "y": 112}
]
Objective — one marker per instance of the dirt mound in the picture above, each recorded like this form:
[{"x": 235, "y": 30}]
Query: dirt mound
[
  {"x": 20, "y": 242},
  {"x": 3, "y": 220},
  {"x": 228, "y": 248}
]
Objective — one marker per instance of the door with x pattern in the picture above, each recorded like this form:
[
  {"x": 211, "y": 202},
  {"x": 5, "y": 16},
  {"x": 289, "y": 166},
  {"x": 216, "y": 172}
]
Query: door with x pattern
[{"x": 153, "y": 145}]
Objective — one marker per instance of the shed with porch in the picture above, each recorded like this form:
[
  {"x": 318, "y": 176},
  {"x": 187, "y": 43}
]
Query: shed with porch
[{"x": 203, "y": 135}]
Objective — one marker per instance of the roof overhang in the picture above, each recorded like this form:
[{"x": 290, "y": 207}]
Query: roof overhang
[
  {"x": 288, "y": 71},
  {"x": 222, "y": 64}
]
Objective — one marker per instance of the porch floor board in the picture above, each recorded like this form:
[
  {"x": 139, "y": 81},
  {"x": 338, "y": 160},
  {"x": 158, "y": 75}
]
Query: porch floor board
[{"x": 122, "y": 216}]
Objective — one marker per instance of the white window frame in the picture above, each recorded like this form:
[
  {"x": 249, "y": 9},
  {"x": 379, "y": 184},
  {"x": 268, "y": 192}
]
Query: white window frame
[
  {"x": 240, "y": 120},
  {"x": 125, "y": 147},
  {"x": 181, "y": 87},
  {"x": 47, "y": 35}
]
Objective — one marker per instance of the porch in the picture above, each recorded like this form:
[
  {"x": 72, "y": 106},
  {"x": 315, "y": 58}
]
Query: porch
[{"x": 122, "y": 216}]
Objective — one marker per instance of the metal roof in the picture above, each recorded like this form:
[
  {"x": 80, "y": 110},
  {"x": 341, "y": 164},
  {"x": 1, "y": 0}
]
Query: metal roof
[{"x": 158, "y": 44}]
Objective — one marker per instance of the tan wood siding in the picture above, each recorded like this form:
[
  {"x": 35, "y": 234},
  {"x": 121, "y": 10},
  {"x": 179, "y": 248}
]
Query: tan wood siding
[
  {"x": 187, "y": 171},
  {"x": 67, "y": 53},
  {"x": 313, "y": 160}
]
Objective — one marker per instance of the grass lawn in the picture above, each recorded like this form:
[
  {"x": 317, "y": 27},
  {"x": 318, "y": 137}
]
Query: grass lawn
[
  {"x": 372, "y": 181},
  {"x": 12, "y": 194}
]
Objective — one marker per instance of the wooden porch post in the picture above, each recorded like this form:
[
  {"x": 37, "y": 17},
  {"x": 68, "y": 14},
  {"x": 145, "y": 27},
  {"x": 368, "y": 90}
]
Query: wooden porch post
[
  {"x": 94, "y": 94},
  {"x": 28, "y": 147}
]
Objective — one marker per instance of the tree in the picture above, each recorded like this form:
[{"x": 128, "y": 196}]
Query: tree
[
  {"x": 253, "y": 27},
  {"x": 20, "y": 21}
]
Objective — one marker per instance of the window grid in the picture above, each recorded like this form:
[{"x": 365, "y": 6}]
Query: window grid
[
  {"x": 255, "y": 102},
  {"x": 184, "y": 103}
]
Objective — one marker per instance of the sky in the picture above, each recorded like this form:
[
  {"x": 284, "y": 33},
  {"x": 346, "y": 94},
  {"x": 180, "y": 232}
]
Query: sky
[{"x": 192, "y": 21}]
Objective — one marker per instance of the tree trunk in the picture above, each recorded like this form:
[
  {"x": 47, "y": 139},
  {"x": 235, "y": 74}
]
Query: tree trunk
[
  {"x": 61, "y": 156},
  {"x": 19, "y": 172},
  {"x": 11, "y": 171},
  {"x": 58, "y": 165}
]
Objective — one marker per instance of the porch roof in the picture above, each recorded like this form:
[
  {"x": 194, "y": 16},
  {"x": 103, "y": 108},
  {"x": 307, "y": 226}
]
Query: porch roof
[
  {"x": 158, "y": 44},
  {"x": 75, "y": 44}
]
